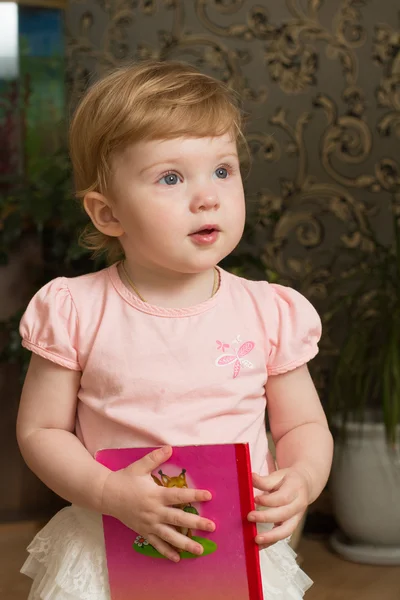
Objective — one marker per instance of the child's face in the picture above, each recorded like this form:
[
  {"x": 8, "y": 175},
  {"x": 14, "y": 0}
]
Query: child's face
[{"x": 166, "y": 193}]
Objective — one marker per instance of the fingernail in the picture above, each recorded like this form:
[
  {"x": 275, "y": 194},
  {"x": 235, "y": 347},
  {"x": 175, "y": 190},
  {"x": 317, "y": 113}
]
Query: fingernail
[
  {"x": 165, "y": 450},
  {"x": 251, "y": 517},
  {"x": 208, "y": 496},
  {"x": 260, "y": 540},
  {"x": 210, "y": 527}
]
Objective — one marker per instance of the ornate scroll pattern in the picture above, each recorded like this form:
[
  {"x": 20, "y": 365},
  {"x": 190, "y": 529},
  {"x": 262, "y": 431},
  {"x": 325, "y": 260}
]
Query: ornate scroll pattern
[{"x": 319, "y": 100}]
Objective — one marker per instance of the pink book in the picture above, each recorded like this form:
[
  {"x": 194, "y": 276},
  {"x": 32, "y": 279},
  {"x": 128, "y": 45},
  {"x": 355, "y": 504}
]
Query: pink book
[{"x": 229, "y": 567}]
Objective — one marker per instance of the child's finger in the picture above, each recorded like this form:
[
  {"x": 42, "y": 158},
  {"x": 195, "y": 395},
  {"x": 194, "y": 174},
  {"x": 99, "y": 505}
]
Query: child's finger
[
  {"x": 178, "y": 540},
  {"x": 179, "y": 518},
  {"x": 282, "y": 497},
  {"x": 270, "y": 482},
  {"x": 172, "y": 496},
  {"x": 151, "y": 461},
  {"x": 163, "y": 548},
  {"x": 279, "y": 532},
  {"x": 274, "y": 515}
]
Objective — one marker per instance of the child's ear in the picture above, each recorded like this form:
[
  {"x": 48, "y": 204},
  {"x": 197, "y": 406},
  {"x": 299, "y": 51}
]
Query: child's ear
[{"x": 100, "y": 211}]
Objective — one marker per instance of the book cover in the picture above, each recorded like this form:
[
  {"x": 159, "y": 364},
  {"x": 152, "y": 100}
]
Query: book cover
[{"x": 229, "y": 567}]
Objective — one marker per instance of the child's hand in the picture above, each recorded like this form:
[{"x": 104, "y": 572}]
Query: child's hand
[
  {"x": 131, "y": 496},
  {"x": 285, "y": 499}
]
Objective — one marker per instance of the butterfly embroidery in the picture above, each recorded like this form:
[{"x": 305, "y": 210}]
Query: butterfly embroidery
[
  {"x": 222, "y": 346},
  {"x": 237, "y": 358}
]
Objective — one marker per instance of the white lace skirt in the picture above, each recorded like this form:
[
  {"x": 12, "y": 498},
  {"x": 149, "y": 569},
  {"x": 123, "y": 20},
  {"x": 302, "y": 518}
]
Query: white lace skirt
[{"x": 67, "y": 562}]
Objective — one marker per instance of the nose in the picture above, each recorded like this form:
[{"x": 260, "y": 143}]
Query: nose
[{"x": 204, "y": 199}]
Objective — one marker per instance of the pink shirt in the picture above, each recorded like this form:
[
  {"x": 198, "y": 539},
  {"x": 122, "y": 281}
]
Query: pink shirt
[{"x": 153, "y": 376}]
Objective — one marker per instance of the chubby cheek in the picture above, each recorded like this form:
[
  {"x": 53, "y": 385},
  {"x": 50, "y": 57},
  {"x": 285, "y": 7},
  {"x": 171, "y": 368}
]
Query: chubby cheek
[
  {"x": 236, "y": 214},
  {"x": 169, "y": 222},
  {"x": 163, "y": 225},
  {"x": 151, "y": 215}
]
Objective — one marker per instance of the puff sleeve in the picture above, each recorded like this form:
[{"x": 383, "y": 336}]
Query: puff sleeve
[
  {"x": 294, "y": 330},
  {"x": 49, "y": 325}
]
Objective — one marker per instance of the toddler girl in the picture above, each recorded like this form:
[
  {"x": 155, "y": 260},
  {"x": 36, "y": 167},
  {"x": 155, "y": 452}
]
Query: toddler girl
[{"x": 164, "y": 347}]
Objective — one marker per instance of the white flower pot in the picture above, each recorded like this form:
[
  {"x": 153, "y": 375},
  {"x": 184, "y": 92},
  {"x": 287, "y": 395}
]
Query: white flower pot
[{"x": 365, "y": 487}]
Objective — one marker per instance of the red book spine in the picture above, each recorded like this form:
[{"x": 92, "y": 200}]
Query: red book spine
[{"x": 249, "y": 529}]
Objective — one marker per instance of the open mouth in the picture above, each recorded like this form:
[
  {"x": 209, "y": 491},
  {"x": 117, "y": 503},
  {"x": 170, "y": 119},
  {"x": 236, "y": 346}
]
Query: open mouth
[
  {"x": 207, "y": 230},
  {"x": 205, "y": 236}
]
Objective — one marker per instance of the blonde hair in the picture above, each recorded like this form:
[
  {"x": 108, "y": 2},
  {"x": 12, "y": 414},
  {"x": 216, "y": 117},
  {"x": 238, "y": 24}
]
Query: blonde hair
[{"x": 147, "y": 101}]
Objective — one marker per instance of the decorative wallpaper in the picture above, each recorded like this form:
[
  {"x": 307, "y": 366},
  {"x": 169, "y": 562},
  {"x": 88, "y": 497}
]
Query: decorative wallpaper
[{"x": 321, "y": 84}]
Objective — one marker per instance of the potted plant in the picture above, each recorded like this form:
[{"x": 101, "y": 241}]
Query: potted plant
[
  {"x": 43, "y": 209},
  {"x": 39, "y": 225},
  {"x": 364, "y": 406}
]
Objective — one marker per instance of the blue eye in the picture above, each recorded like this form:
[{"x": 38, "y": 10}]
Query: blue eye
[
  {"x": 221, "y": 173},
  {"x": 169, "y": 179}
]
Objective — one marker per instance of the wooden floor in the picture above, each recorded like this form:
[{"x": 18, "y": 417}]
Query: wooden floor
[{"x": 335, "y": 579}]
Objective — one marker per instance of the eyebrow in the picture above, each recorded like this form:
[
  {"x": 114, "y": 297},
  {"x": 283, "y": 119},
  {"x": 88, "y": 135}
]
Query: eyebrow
[{"x": 177, "y": 160}]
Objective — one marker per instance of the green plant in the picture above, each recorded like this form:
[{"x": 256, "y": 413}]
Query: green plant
[
  {"x": 366, "y": 376},
  {"x": 43, "y": 207}
]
